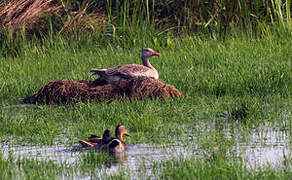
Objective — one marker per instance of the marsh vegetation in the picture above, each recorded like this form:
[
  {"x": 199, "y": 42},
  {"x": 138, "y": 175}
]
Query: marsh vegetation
[{"x": 231, "y": 59}]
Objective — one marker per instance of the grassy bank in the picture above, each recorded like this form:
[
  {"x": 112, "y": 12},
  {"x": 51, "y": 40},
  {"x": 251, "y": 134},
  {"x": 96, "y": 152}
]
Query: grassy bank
[
  {"x": 239, "y": 83},
  {"x": 239, "y": 79}
]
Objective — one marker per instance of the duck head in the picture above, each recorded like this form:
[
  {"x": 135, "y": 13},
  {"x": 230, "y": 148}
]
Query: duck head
[
  {"x": 120, "y": 131},
  {"x": 106, "y": 136}
]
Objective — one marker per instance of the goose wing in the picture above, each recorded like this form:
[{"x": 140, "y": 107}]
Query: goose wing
[
  {"x": 126, "y": 71},
  {"x": 129, "y": 70}
]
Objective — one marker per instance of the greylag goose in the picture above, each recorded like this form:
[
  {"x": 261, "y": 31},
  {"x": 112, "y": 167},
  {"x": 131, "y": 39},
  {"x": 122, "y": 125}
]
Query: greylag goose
[{"x": 114, "y": 74}]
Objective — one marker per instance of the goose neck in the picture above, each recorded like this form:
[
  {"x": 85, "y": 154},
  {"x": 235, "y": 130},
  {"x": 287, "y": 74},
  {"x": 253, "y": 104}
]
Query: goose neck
[{"x": 146, "y": 62}]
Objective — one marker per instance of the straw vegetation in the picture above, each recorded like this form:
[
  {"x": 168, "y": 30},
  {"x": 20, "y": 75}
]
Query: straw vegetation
[
  {"x": 40, "y": 16},
  {"x": 70, "y": 92}
]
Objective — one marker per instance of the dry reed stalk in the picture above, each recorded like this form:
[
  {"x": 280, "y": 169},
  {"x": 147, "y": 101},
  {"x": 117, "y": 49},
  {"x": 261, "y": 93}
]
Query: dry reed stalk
[
  {"x": 79, "y": 21},
  {"x": 27, "y": 13}
]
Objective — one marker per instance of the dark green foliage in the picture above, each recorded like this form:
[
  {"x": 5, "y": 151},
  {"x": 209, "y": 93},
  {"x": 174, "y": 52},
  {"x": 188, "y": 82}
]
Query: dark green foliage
[{"x": 125, "y": 22}]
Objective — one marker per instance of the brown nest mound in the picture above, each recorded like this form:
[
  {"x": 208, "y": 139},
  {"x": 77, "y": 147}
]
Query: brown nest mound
[{"x": 70, "y": 92}]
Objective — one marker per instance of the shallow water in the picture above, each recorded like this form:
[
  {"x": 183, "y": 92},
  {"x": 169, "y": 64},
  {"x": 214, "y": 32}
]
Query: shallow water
[
  {"x": 261, "y": 147},
  {"x": 267, "y": 146},
  {"x": 17, "y": 110},
  {"x": 19, "y": 106}
]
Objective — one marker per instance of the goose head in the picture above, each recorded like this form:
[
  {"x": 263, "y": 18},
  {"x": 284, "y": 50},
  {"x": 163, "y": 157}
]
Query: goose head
[{"x": 148, "y": 52}]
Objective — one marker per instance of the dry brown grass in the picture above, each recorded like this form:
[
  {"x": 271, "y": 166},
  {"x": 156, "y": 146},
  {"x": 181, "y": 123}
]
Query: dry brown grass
[
  {"x": 34, "y": 15},
  {"x": 29, "y": 13},
  {"x": 70, "y": 92},
  {"x": 80, "y": 21}
]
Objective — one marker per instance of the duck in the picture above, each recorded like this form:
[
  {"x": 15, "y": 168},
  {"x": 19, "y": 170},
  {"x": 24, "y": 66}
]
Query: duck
[
  {"x": 116, "y": 144},
  {"x": 94, "y": 140},
  {"x": 115, "y": 74},
  {"x": 107, "y": 142}
]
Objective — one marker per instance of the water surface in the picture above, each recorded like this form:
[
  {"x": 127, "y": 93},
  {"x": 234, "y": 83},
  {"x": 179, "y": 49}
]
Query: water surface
[{"x": 263, "y": 146}]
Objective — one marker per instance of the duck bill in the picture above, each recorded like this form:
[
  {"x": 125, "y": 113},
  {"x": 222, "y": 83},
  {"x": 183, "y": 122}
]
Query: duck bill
[
  {"x": 127, "y": 134},
  {"x": 155, "y": 53}
]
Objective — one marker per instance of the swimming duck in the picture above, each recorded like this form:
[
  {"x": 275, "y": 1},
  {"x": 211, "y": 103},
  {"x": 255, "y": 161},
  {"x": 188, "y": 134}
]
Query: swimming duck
[
  {"x": 116, "y": 144},
  {"x": 115, "y": 74},
  {"x": 107, "y": 142}
]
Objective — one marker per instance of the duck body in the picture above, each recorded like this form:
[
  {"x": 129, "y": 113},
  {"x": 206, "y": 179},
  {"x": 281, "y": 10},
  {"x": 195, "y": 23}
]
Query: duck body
[
  {"x": 115, "y": 74},
  {"x": 91, "y": 143},
  {"x": 108, "y": 143},
  {"x": 95, "y": 141},
  {"x": 114, "y": 146}
]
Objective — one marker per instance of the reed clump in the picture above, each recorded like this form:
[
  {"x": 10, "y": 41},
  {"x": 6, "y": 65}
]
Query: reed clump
[
  {"x": 209, "y": 16},
  {"x": 41, "y": 16},
  {"x": 27, "y": 13},
  {"x": 29, "y": 17},
  {"x": 126, "y": 22}
]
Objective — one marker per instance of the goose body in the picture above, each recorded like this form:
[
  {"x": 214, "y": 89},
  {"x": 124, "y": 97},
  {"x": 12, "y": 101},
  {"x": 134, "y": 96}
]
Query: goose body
[{"x": 115, "y": 74}]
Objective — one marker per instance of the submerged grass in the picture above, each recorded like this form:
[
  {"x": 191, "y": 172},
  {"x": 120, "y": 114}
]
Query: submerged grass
[
  {"x": 219, "y": 169},
  {"x": 16, "y": 168},
  {"x": 181, "y": 167}
]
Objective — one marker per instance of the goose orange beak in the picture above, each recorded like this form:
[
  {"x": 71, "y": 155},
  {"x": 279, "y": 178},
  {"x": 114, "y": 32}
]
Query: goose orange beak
[{"x": 155, "y": 53}]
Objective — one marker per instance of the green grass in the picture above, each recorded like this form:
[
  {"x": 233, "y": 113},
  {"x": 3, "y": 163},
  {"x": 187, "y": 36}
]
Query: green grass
[
  {"x": 217, "y": 80},
  {"x": 216, "y": 169},
  {"x": 15, "y": 168},
  {"x": 245, "y": 83}
]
